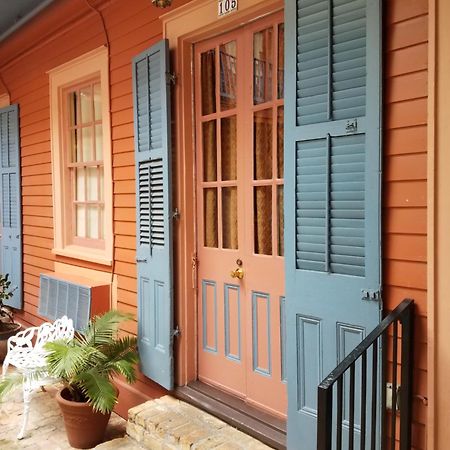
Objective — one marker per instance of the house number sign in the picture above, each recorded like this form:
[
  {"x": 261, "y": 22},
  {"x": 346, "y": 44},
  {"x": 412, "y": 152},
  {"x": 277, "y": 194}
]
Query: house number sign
[{"x": 227, "y": 6}]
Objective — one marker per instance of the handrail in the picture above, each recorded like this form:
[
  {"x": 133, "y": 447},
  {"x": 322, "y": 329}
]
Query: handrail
[{"x": 402, "y": 314}]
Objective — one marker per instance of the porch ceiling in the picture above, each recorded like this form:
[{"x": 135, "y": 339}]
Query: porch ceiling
[{"x": 14, "y": 14}]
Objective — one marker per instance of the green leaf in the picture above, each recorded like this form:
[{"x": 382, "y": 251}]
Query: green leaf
[{"x": 98, "y": 389}]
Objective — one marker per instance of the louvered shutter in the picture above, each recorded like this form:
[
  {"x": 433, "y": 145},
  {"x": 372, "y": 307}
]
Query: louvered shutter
[
  {"x": 11, "y": 202},
  {"x": 332, "y": 192},
  {"x": 153, "y": 210}
]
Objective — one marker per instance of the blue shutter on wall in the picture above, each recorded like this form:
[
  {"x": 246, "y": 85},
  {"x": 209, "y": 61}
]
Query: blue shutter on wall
[
  {"x": 11, "y": 202},
  {"x": 153, "y": 209},
  {"x": 332, "y": 193}
]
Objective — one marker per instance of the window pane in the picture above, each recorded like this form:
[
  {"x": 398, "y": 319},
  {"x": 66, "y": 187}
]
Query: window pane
[
  {"x": 92, "y": 222},
  {"x": 280, "y": 142},
  {"x": 72, "y": 108},
  {"x": 75, "y": 148},
  {"x": 208, "y": 76},
  {"x": 228, "y": 148},
  {"x": 102, "y": 223},
  {"x": 262, "y": 145},
  {"x": 210, "y": 217},
  {"x": 280, "y": 219},
  {"x": 88, "y": 151},
  {"x": 86, "y": 104},
  {"x": 262, "y": 66},
  {"x": 92, "y": 183},
  {"x": 209, "y": 151},
  {"x": 263, "y": 220},
  {"x": 97, "y": 102},
  {"x": 280, "y": 73},
  {"x": 229, "y": 218},
  {"x": 80, "y": 212},
  {"x": 100, "y": 196},
  {"x": 98, "y": 143},
  {"x": 228, "y": 75},
  {"x": 80, "y": 185}
]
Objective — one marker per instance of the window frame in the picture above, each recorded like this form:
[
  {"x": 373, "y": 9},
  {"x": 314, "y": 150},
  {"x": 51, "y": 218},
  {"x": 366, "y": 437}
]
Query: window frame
[{"x": 84, "y": 69}]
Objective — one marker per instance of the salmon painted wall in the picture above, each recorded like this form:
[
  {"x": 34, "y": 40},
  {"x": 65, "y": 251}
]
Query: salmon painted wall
[
  {"x": 131, "y": 27},
  {"x": 405, "y": 179},
  {"x": 69, "y": 29}
]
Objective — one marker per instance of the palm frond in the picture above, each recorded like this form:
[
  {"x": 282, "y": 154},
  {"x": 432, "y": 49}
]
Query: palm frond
[
  {"x": 10, "y": 383},
  {"x": 124, "y": 367},
  {"x": 65, "y": 359},
  {"x": 101, "y": 329},
  {"x": 98, "y": 389}
]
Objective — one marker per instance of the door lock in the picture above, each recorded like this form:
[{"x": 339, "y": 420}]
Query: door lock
[{"x": 237, "y": 273}]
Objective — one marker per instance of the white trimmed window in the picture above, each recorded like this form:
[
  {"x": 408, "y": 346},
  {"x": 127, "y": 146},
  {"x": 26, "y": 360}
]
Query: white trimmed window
[{"x": 81, "y": 158}]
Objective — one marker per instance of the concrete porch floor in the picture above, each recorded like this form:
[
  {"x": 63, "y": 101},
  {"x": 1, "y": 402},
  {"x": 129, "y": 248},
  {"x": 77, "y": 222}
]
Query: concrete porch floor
[
  {"x": 45, "y": 426},
  {"x": 162, "y": 424}
]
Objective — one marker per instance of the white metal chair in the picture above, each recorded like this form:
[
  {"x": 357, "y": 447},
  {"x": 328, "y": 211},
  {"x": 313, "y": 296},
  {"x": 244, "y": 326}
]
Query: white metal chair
[{"x": 26, "y": 352}]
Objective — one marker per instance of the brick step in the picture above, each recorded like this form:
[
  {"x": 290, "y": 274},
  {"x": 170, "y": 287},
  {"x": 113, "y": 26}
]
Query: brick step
[{"x": 170, "y": 424}]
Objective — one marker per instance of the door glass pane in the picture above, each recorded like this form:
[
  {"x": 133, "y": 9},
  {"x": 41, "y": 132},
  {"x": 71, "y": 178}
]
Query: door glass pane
[
  {"x": 263, "y": 219},
  {"x": 88, "y": 151},
  {"x": 101, "y": 232},
  {"x": 280, "y": 142},
  {"x": 228, "y": 75},
  {"x": 229, "y": 218},
  {"x": 208, "y": 76},
  {"x": 210, "y": 217},
  {"x": 86, "y": 104},
  {"x": 228, "y": 148},
  {"x": 280, "y": 72},
  {"x": 262, "y": 144},
  {"x": 209, "y": 151},
  {"x": 280, "y": 219},
  {"x": 81, "y": 220},
  {"x": 262, "y": 66}
]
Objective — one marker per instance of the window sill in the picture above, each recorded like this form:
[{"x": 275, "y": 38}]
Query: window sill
[{"x": 85, "y": 254}]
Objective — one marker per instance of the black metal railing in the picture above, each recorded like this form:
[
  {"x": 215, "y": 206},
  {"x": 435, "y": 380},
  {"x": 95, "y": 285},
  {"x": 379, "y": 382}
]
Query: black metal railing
[{"x": 356, "y": 417}]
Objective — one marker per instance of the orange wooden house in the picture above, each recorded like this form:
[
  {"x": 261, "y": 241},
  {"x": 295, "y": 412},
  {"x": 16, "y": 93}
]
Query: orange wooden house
[{"x": 157, "y": 161}]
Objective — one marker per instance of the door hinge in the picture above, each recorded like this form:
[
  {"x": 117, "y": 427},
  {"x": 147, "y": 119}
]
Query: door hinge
[
  {"x": 194, "y": 263},
  {"x": 171, "y": 78},
  {"x": 370, "y": 295},
  {"x": 176, "y": 332}
]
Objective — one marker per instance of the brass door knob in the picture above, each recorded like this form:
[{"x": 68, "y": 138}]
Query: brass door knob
[{"x": 237, "y": 273}]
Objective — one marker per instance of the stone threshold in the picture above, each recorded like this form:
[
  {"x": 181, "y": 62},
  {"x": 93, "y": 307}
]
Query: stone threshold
[{"x": 170, "y": 424}]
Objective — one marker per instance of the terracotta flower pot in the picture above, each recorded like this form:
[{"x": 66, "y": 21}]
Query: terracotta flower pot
[
  {"x": 84, "y": 427},
  {"x": 6, "y": 331}
]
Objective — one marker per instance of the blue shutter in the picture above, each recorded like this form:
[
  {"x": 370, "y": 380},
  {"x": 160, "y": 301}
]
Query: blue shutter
[
  {"x": 11, "y": 202},
  {"x": 153, "y": 209},
  {"x": 332, "y": 193}
]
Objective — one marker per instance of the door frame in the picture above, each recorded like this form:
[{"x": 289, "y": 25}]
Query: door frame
[{"x": 179, "y": 27}]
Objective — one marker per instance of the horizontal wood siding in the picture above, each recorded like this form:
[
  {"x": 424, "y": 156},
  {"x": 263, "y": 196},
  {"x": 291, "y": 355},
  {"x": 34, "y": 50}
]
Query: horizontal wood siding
[{"x": 405, "y": 179}]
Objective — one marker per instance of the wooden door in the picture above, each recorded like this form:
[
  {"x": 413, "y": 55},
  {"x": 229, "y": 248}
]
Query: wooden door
[{"x": 239, "y": 136}]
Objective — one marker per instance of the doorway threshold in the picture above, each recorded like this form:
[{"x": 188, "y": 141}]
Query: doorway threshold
[{"x": 263, "y": 426}]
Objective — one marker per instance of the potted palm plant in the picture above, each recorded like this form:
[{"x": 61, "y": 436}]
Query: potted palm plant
[
  {"x": 86, "y": 365},
  {"x": 8, "y": 327}
]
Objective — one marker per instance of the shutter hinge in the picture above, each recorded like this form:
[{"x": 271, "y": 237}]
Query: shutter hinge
[
  {"x": 351, "y": 126},
  {"x": 176, "y": 332},
  {"x": 171, "y": 78},
  {"x": 194, "y": 262},
  {"x": 176, "y": 214},
  {"x": 370, "y": 295}
]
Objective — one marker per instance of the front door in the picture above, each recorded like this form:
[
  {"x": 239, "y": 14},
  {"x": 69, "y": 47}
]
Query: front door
[{"x": 239, "y": 154}]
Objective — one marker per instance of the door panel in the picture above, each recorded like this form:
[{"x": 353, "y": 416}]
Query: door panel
[{"x": 240, "y": 212}]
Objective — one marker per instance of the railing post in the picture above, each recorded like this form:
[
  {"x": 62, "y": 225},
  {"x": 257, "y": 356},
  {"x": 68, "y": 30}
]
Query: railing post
[
  {"x": 407, "y": 322},
  {"x": 324, "y": 417}
]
